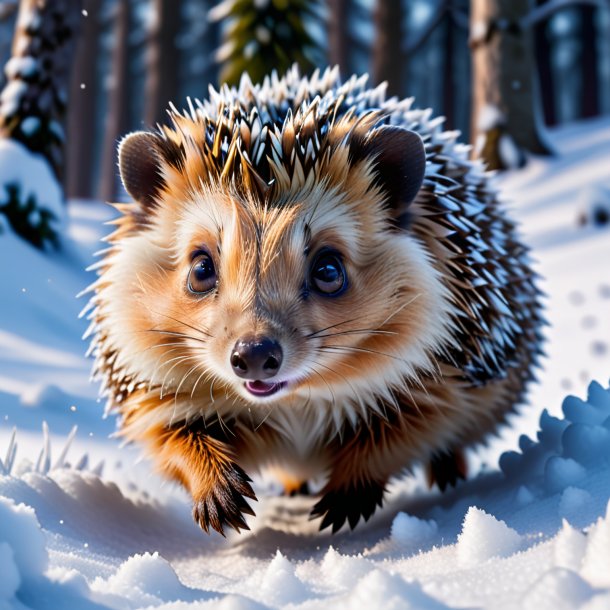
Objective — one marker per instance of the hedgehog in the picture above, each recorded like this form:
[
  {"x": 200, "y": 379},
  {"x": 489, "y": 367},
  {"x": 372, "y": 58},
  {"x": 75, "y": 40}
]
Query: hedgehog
[{"x": 312, "y": 281}]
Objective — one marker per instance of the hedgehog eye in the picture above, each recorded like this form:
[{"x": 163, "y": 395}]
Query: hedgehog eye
[
  {"x": 202, "y": 276},
  {"x": 327, "y": 274}
]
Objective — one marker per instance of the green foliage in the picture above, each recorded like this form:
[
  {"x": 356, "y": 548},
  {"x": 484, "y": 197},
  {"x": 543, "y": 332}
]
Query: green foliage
[
  {"x": 31, "y": 222},
  {"x": 266, "y": 35}
]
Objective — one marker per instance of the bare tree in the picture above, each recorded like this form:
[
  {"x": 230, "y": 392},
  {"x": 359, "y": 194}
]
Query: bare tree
[
  {"x": 33, "y": 102},
  {"x": 545, "y": 69},
  {"x": 338, "y": 35},
  {"x": 589, "y": 61},
  {"x": 117, "y": 118},
  {"x": 506, "y": 118},
  {"x": 388, "y": 49},
  {"x": 83, "y": 106},
  {"x": 163, "y": 60},
  {"x": 449, "y": 83}
]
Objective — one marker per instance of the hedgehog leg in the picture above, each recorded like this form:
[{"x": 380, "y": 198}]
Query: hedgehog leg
[
  {"x": 446, "y": 467},
  {"x": 363, "y": 461},
  {"x": 349, "y": 503},
  {"x": 204, "y": 464}
]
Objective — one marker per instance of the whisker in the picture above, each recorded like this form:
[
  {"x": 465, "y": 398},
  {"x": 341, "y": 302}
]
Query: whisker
[
  {"x": 349, "y": 348},
  {"x": 351, "y": 366},
  {"x": 406, "y": 304},
  {"x": 185, "y": 377},
  {"x": 179, "y": 360},
  {"x": 316, "y": 332},
  {"x": 271, "y": 408},
  {"x": 172, "y": 333},
  {"x": 204, "y": 372},
  {"x": 314, "y": 370},
  {"x": 363, "y": 331},
  {"x": 160, "y": 362},
  {"x": 205, "y": 333}
]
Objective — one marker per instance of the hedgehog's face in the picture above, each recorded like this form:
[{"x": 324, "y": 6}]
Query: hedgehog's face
[{"x": 313, "y": 295}]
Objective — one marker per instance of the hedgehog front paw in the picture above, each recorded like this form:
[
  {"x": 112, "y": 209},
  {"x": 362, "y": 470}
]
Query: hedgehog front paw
[
  {"x": 223, "y": 503},
  {"x": 337, "y": 505}
]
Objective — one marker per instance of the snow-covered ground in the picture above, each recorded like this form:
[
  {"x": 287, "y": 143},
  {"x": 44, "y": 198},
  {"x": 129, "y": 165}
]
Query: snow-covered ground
[{"x": 93, "y": 527}]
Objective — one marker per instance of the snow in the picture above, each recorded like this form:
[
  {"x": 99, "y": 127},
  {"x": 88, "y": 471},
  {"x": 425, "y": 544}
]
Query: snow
[
  {"x": 483, "y": 537},
  {"x": 408, "y": 530},
  {"x": 509, "y": 153},
  {"x": 490, "y": 117},
  {"x": 32, "y": 174},
  {"x": 570, "y": 547},
  {"x": 11, "y": 95},
  {"x": 84, "y": 523},
  {"x": 24, "y": 67},
  {"x": 30, "y": 125}
]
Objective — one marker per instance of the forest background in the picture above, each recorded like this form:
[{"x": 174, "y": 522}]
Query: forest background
[{"x": 500, "y": 71}]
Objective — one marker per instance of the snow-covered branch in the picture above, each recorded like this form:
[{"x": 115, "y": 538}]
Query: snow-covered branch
[{"x": 544, "y": 11}]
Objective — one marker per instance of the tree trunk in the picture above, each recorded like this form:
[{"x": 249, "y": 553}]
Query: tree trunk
[
  {"x": 117, "y": 118},
  {"x": 338, "y": 35},
  {"x": 388, "y": 54},
  {"x": 506, "y": 118},
  {"x": 33, "y": 102},
  {"x": 545, "y": 70},
  {"x": 589, "y": 61},
  {"x": 449, "y": 75},
  {"x": 162, "y": 61},
  {"x": 83, "y": 106}
]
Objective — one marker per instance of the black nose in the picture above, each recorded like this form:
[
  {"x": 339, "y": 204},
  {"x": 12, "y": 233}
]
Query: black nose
[{"x": 259, "y": 358}]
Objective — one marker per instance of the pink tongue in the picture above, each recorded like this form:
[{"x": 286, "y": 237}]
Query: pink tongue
[{"x": 260, "y": 387}]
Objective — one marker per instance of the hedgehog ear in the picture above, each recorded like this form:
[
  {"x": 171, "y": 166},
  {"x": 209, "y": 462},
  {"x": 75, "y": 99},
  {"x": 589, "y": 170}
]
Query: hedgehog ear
[
  {"x": 400, "y": 163},
  {"x": 140, "y": 158}
]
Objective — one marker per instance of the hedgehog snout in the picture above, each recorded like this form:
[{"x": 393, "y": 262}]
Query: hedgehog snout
[{"x": 256, "y": 357}]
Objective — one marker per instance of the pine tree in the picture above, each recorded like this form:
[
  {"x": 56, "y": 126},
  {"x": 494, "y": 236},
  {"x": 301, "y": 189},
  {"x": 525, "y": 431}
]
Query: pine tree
[
  {"x": 32, "y": 111},
  {"x": 265, "y": 35},
  {"x": 34, "y": 100}
]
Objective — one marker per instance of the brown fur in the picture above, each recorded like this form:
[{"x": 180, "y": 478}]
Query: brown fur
[{"x": 424, "y": 354}]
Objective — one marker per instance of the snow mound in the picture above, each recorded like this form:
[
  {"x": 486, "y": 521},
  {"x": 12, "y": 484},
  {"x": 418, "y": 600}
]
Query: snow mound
[
  {"x": 280, "y": 585},
  {"x": 410, "y": 531},
  {"x": 146, "y": 580},
  {"x": 484, "y": 537},
  {"x": 342, "y": 572},
  {"x": 596, "y": 563},
  {"x": 572, "y": 501},
  {"x": 23, "y": 543},
  {"x": 558, "y": 589},
  {"x": 566, "y": 448},
  {"x": 379, "y": 589},
  {"x": 569, "y": 547}
]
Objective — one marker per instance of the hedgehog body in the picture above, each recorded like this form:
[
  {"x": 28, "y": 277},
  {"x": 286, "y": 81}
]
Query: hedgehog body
[{"x": 312, "y": 280}]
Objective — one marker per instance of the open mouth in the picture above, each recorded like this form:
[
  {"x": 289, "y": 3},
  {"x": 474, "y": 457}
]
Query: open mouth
[{"x": 262, "y": 389}]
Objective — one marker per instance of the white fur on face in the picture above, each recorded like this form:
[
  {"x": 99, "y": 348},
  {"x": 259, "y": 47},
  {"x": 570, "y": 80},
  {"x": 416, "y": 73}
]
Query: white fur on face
[{"x": 381, "y": 333}]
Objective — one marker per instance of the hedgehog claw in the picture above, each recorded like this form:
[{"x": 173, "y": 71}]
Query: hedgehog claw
[
  {"x": 224, "y": 504},
  {"x": 338, "y": 506}
]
